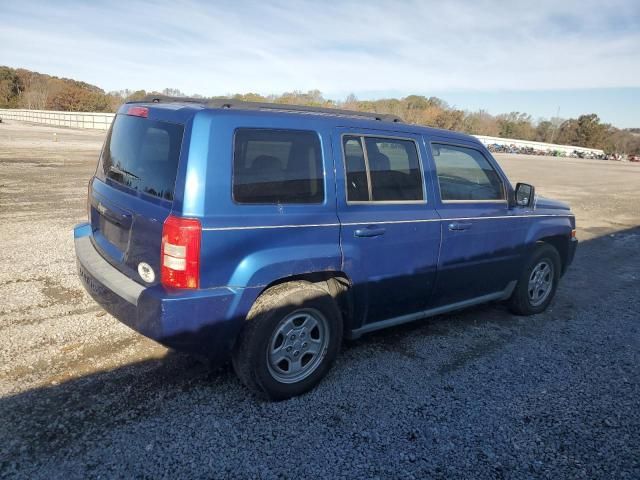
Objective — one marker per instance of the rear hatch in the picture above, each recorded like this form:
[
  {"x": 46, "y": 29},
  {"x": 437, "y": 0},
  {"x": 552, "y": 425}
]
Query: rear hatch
[{"x": 132, "y": 192}]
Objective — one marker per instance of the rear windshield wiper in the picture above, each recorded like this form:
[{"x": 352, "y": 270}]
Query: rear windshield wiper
[{"x": 123, "y": 172}]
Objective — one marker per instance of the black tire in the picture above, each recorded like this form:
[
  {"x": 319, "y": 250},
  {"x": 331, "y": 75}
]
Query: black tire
[
  {"x": 250, "y": 357},
  {"x": 520, "y": 301}
]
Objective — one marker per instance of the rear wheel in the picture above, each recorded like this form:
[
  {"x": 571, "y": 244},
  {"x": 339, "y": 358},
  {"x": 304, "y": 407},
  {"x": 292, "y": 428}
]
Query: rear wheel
[
  {"x": 538, "y": 282},
  {"x": 291, "y": 338}
]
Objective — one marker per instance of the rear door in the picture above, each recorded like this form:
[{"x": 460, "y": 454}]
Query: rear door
[
  {"x": 482, "y": 239},
  {"x": 132, "y": 192},
  {"x": 390, "y": 234}
]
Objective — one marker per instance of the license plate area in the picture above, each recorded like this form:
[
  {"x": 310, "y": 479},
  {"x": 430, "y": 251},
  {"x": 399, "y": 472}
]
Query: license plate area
[{"x": 114, "y": 233}]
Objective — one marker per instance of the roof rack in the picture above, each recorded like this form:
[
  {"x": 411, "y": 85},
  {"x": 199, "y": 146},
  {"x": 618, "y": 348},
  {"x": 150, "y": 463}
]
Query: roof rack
[
  {"x": 242, "y": 105},
  {"x": 168, "y": 99}
]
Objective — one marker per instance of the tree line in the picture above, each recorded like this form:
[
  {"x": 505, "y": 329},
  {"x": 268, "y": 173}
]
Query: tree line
[{"x": 21, "y": 88}]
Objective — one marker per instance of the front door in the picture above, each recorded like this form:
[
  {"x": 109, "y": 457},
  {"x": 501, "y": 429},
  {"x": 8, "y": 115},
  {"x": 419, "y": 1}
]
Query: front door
[
  {"x": 390, "y": 232},
  {"x": 482, "y": 238}
]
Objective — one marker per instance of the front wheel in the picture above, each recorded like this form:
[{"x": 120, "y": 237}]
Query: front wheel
[
  {"x": 538, "y": 282},
  {"x": 291, "y": 338}
]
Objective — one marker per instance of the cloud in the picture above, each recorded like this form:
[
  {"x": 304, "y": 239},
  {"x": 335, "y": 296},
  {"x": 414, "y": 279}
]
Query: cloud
[{"x": 336, "y": 47}]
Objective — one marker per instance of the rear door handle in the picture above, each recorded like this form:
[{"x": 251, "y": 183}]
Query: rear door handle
[
  {"x": 369, "y": 232},
  {"x": 457, "y": 226}
]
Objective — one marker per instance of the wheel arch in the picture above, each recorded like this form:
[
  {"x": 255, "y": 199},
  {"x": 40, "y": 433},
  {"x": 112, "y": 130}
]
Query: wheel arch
[
  {"x": 561, "y": 244},
  {"x": 335, "y": 282}
]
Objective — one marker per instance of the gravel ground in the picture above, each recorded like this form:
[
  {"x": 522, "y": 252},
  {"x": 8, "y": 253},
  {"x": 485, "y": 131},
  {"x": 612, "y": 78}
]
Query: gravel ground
[{"x": 477, "y": 394}]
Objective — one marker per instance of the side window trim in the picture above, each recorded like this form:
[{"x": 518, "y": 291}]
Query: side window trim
[
  {"x": 470, "y": 147},
  {"x": 361, "y": 137},
  {"x": 366, "y": 167}
]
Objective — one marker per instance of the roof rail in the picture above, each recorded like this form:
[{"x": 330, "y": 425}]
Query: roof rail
[
  {"x": 166, "y": 99},
  {"x": 242, "y": 105}
]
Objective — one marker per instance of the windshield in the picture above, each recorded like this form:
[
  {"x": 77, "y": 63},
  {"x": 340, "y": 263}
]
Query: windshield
[{"x": 142, "y": 154}]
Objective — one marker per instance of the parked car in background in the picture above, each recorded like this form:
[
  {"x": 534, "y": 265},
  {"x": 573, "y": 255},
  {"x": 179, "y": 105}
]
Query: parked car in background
[{"x": 267, "y": 233}]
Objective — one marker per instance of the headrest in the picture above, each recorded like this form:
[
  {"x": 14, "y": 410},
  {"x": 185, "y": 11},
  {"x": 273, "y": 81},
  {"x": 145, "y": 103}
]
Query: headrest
[{"x": 379, "y": 161}]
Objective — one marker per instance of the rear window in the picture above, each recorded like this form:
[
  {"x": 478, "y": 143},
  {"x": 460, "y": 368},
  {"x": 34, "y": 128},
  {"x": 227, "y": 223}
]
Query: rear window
[
  {"x": 142, "y": 154},
  {"x": 277, "y": 166}
]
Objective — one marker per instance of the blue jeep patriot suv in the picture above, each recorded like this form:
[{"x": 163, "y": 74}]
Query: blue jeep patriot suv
[{"x": 267, "y": 233}]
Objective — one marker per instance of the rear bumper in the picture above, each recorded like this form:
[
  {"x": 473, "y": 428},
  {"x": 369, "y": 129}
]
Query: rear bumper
[{"x": 204, "y": 322}]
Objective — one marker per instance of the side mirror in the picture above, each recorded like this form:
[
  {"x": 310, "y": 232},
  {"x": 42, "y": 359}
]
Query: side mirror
[{"x": 525, "y": 194}]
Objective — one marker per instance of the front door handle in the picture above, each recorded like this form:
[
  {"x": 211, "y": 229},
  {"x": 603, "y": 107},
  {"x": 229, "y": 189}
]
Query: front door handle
[
  {"x": 457, "y": 226},
  {"x": 369, "y": 232}
]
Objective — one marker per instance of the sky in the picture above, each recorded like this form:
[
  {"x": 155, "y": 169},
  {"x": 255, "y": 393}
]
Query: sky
[{"x": 536, "y": 56}]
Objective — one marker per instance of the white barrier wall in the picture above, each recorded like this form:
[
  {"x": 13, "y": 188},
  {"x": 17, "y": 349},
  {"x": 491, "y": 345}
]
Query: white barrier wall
[
  {"x": 102, "y": 121},
  {"x": 99, "y": 121},
  {"x": 536, "y": 145}
]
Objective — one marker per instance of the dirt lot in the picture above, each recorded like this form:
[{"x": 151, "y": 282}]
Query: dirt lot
[{"x": 479, "y": 393}]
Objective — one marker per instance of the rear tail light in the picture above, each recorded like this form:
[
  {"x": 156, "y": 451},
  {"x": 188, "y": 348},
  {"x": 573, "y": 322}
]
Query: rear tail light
[
  {"x": 573, "y": 233},
  {"x": 180, "y": 252},
  {"x": 138, "y": 111}
]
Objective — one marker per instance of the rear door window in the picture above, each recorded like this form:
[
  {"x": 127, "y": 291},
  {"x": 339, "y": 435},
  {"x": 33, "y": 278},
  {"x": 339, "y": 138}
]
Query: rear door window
[
  {"x": 382, "y": 169},
  {"x": 143, "y": 155},
  {"x": 277, "y": 167},
  {"x": 357, "y": 174}
]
